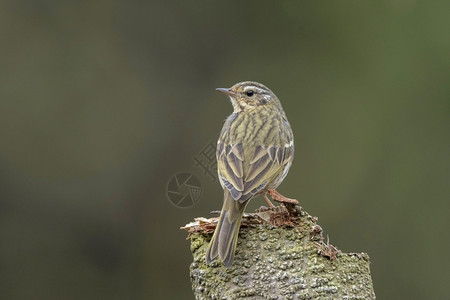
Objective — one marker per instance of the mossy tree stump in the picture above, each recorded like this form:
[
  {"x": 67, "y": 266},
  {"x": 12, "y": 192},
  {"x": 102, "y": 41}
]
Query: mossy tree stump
[{"x": 281, "y": 254}]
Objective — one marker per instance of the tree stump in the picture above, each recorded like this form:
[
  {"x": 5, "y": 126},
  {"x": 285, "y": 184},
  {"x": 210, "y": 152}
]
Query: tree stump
[{"x": 281, "y": 254}]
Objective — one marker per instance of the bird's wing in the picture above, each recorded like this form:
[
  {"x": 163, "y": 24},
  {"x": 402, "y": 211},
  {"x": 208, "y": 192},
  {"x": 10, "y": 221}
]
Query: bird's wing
[{"x": 265, "y": 165}]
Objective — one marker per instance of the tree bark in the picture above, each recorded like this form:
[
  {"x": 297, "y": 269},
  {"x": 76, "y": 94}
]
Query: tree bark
[{"x": 280, "y": 254}]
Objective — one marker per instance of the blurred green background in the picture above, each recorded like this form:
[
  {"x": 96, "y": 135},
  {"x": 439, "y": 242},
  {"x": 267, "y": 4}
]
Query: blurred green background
[{"x": 102, "y": 102}]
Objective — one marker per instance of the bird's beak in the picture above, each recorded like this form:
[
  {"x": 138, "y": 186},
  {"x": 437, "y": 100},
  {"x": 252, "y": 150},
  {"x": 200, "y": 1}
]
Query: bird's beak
[{"x": 226, "y": 91}]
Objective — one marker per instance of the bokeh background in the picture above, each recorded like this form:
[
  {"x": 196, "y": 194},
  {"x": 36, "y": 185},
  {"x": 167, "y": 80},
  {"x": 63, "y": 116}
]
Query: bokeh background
[{"x": 102, "y": 102}]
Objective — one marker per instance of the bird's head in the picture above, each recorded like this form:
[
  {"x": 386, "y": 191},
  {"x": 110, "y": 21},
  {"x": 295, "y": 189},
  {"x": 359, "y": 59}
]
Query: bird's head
[{"x": 248, "y": 95}]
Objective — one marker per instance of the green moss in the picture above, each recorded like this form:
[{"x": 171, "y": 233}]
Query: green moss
[{"x": 279, "y": 263}]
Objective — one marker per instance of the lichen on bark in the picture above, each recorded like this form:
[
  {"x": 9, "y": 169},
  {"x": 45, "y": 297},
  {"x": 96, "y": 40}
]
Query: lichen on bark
[{"x": 280, "y": 255}]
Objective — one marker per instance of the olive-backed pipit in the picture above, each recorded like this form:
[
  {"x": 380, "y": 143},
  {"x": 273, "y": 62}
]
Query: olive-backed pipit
[{"x": 254, "y": 153}]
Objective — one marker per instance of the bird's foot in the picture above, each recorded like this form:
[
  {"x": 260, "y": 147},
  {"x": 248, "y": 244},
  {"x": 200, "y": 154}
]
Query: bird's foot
[
  {"x": 280, "y": 198},
  {"x": 268, "y": 201}
]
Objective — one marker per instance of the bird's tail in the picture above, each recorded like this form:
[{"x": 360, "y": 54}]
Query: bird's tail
[{"x": 224, "y": 240}]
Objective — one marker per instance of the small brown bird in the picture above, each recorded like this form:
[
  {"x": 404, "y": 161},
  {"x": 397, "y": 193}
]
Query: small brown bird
[{"x": 254, "y": 153}]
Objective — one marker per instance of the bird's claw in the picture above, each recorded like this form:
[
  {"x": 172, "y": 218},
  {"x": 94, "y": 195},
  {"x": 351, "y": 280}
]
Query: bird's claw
[{"x": 280, "y": 198}]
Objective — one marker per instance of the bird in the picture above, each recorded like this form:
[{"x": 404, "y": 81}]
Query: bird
[{"x": 254, "y": 152}]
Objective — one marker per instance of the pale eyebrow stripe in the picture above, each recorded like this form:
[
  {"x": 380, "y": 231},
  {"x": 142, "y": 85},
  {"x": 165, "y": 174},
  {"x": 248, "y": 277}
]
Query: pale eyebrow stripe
[{"x": 257, "y": 89}]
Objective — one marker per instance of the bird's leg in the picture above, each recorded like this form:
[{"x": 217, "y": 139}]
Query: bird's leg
[
  {"x": 280, "y": 198},
  {"x": 268, "y": 201}
]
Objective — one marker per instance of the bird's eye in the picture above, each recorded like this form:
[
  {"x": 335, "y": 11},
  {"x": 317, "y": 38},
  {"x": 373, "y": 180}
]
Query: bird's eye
[{"x": 250, "y": 93}]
